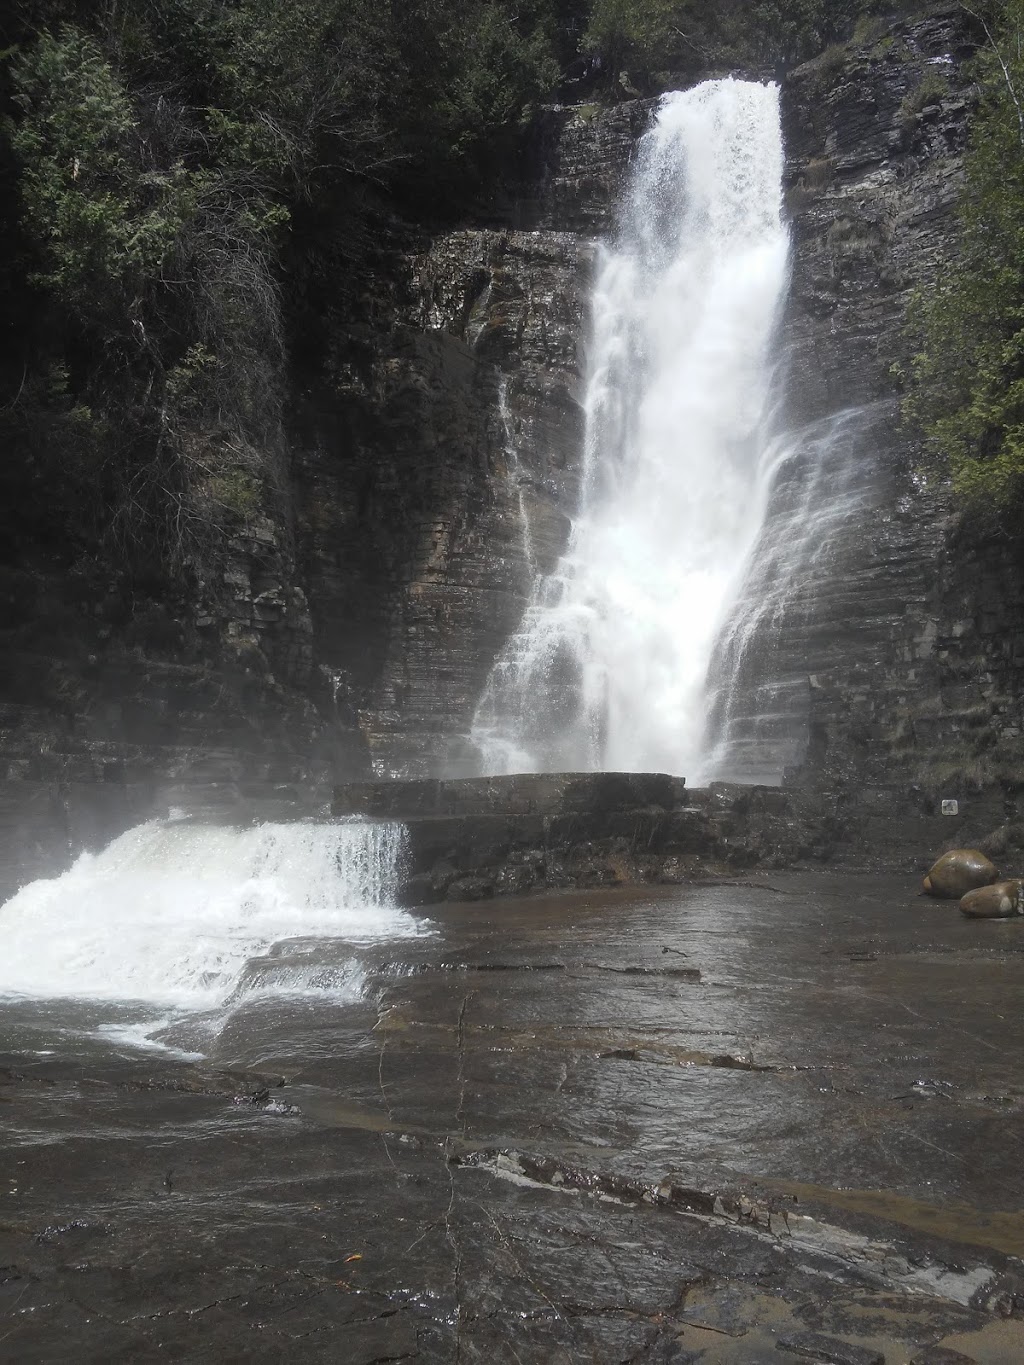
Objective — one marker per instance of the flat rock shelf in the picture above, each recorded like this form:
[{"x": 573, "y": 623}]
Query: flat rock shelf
[
  {"x": 473, "y": 838},
  {"x": 730, "y": 1124}
]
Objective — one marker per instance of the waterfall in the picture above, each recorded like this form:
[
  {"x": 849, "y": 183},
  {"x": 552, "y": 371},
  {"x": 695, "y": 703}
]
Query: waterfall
[
  {"x": 171, "y": 912},
  {"x": 514, "y": 472},
  {"x": 822, "y": 482},
  {"x": 609, "y": 665}
]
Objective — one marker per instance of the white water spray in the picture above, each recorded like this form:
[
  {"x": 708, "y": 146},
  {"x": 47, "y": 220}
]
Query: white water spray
[
  {"x": 608, "y": 668},
  {"x": 514, "y": 472},
  {"x": 171, "y": 912},
  {"x": 821, "y": 479}
]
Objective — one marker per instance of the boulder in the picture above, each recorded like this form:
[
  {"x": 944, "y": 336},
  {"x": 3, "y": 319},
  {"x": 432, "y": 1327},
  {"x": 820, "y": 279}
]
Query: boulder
[
  {"x": 999, "y": 901},
  {"x": 957, "y": 872}
]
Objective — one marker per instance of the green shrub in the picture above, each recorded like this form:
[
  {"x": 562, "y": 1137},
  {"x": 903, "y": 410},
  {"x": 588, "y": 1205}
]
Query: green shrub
[
  {"x": 932, "y": 88},
  {"x": 104, "y": 221},
  {"x": 965, "y": 375}
]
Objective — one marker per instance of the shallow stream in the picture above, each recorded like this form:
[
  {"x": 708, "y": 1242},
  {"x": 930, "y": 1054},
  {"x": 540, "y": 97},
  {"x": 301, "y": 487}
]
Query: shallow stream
[{"x": 681, "y": 1125}]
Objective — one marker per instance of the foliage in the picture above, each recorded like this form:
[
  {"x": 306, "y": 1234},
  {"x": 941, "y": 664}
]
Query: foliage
[
  {"x": 192, "y": 188},
  {"x": 966, "y": 377},
  {"x": 161, "y": 153},
  {"x": 655, "y": 36},
  {"x": 96, "y": 212},
  {"x": 931, "y": 88},
  {"x": 643, "y": 28}
]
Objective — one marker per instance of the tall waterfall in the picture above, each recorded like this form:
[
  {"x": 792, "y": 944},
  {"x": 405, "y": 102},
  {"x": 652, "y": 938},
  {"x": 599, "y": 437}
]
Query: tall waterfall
[{"x": 608, "y": 667}]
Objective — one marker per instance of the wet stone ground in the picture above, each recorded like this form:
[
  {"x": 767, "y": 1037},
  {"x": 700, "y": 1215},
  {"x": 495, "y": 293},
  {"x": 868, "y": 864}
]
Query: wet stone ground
[{"x": 766, "y": 1121}]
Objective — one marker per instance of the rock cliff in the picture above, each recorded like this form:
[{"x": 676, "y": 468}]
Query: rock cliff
[
  {"x": 885, "y": 658},
  {"x": 432, "y": 466},
  {"x": 861, "y": 638},
  {"x": 898, "y": 646}
]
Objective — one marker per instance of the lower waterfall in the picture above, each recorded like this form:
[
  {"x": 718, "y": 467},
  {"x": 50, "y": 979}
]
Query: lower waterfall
[
  {"x": 172, "y": 912},
  {"x": 608, "y": 669}
]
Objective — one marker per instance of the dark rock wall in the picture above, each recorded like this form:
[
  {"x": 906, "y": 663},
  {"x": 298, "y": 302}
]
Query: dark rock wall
[
  {"x": 912, "y": 636},
  {"x": 439, "y": 478},
  {"x": 433, "y": 472},
  {"x": 894, "y": 657},
  {"x": 117, "y": 703},
  {"x": 431, "y": 490}
]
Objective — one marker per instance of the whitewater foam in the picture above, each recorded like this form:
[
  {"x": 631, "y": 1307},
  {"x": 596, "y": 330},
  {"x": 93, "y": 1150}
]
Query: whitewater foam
[
  {"x": 172, "y": 912},
  {"x": 608, "y": 667}
]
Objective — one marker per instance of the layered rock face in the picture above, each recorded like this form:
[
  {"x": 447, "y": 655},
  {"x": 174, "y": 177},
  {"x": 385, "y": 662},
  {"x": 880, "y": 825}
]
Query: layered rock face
[
  {"x": 115, "y": 708},
  {"x": 898, "y": 643},
  {"x": 871, "y": 656},
  {"x": 424, "y": 520},
  {"x": 434, "y": 475},
  {"x": 439, "y": 479},
  {"x": 865, "y": 634}
]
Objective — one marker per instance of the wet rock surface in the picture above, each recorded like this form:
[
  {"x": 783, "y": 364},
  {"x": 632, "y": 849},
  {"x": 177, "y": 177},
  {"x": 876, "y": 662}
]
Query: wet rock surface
[
  {"x": 737, "y": 1123},
  {"x": 470, "y": 839}
]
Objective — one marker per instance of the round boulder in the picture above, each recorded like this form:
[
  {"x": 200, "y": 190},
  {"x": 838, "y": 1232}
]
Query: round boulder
[
  {"x": 957, "y": 872},
  {"x": 999, "y": 901}
]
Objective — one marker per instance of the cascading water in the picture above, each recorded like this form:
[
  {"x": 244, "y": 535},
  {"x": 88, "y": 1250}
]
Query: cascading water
[
  {"x": 822, "y": 480},
  {"x": 171, "y": 912},
  {"x": 608, "y": 668}
]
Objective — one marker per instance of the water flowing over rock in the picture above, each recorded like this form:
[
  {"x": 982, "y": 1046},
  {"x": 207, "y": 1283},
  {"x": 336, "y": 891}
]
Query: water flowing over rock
[
  {"x": 171, "y": 912},
  {"x": 607, "y": 669}
]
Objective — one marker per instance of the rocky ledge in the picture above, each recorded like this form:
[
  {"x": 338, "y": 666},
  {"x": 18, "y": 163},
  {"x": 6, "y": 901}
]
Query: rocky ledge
[{"x": 469, "y": 839}]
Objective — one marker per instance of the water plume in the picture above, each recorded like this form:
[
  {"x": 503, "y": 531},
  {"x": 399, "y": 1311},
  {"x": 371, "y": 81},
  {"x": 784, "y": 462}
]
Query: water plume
[{"x": 608, "y": 668}]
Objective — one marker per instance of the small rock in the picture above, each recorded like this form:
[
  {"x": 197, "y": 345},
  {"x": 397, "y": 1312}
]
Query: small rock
[
  {"x": 815, "y": 1346},
  {"x": 276, "y": 1107},
  {"x": 1002, "y": 900}
]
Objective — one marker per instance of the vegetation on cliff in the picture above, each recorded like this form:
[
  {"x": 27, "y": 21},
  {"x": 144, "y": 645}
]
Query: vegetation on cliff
[
  {"x": 656, "y": 37},
  {"x": 965, "y": 381},
  {"x": 159, "y": 157},
  {"x": 193, "y": 190}
]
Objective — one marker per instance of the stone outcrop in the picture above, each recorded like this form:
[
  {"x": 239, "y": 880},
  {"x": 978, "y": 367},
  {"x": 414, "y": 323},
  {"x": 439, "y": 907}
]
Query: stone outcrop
[{"x": 473, "y": 838}]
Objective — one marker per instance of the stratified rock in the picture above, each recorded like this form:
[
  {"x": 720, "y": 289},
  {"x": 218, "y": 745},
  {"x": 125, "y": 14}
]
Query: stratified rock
[
  {"x": 468, "y": 839},
  {"x": 815, "y": 1346},
  {"x": 1000, "y": 901},
  {"x": 957, "y": 872},
  {"x": 941, "y": 1355}
]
